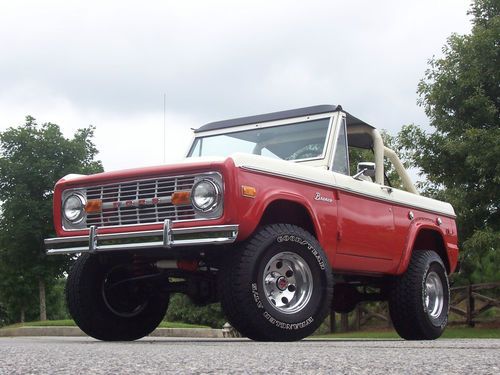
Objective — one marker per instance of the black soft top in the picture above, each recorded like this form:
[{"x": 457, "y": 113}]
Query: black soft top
[
  {"x": 281, "y": 115},
  {"x": 354, "y": 139}
]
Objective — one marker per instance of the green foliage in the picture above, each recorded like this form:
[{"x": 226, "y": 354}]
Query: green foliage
[
  {"x": 32, "y": 158},
  {"x": 56, "y": 300},
  {"x": 17, "y": 292},
  {"x": 4, "y": 319},
  {"x": 460, "y": 159},
  {"x": 357, "y": 155},
  {"x": 181, "y": 309},
  {"x": 482, "y": 255}
]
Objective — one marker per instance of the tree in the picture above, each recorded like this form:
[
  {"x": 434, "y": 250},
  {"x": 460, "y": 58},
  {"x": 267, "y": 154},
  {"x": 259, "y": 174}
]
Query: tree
[
  {"x": 32, "y": 159},
  {"x": 357, "y": 155},
  {"x": 460, "y": 159}
]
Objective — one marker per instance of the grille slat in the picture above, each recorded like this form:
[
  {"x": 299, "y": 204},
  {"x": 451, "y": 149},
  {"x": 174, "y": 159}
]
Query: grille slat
[
  {"x": 147, "y": 217},
  {"x": 128, "y": 214},
  {"x": 135, "y": 191}
]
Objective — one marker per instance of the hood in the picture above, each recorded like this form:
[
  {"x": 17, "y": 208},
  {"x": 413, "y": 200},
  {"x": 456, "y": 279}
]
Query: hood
[{"x": 185, "y": 166}]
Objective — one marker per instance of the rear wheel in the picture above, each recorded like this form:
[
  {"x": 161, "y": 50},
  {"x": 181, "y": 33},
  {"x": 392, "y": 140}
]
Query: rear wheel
[
  {"x": 109, "y": 303},
  {"x": 278, "y": 286},
  {"x": 419, "y": 299}
]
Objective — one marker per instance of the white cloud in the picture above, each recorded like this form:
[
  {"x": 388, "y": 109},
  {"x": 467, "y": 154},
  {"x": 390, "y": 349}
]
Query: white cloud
[{"x": 124, "y": 140}]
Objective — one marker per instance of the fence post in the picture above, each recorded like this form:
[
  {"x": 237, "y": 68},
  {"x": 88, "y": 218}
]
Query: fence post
[
  {"x": 333, "y": 327},
  {"x": 389, "y": 320},
  {"x": 470, "y": 307},
  {"x": 344, "y": 322},
  {"x": 357, "y": 318}
]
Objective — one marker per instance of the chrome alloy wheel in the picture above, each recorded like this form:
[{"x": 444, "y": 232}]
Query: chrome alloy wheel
[
  {"x": 288, "y": 282},
  {"x": 433, "y": 295}
]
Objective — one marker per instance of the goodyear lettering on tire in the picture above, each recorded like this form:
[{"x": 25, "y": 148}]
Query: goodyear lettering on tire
[
  {"x": 301, "y": 241},
  {"x": 287, "y": 326},
  {"x": 256, "y": 297}
]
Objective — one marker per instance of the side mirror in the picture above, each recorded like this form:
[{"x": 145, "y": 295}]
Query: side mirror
[{"x": 365, "y": 168}]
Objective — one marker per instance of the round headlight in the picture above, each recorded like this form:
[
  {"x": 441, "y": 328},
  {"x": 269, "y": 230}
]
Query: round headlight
[
  {"x": 205, "y": 195},
  {"x": 73, "y": 207}
]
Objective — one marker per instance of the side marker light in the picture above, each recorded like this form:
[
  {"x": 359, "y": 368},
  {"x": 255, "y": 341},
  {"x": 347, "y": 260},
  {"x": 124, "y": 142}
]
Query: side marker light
[{"x": 248, "y": 191}]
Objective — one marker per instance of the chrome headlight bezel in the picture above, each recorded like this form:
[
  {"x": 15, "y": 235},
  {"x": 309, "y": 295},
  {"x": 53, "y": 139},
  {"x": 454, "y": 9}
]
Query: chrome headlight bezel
[
  {"x": 77, "y": 221},
  {"x": 211, "y": 197},
  {"x": 214, "y": 208}
]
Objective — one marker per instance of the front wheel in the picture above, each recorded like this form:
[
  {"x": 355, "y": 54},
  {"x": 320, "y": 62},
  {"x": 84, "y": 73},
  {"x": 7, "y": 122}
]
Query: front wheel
[
  {"x": 419, "y": 299},
  {"x": 278, "y": 286},
  {"x": 108, "y": 302}
]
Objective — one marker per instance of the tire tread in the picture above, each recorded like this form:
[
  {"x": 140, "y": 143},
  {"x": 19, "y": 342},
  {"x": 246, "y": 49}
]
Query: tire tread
[
  {"x": 405, "y": 299},
  {"x": 87, "y": 311},
  {"x": 239, "y": 267}
]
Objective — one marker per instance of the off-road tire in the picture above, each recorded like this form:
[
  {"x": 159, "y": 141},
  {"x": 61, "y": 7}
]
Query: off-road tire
[
  {"x": 409, "y": 312},
  {"x": 86, "y": 304},
  {"x": 242, "y": 291},
  {"x": 346, "y": 298}
]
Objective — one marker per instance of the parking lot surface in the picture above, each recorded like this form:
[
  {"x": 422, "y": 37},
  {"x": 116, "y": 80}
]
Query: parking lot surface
[{"x": 81, "y": 355}]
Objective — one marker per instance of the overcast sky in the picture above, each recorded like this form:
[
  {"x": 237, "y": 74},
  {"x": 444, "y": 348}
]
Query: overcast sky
[{"x": 109, "y": 63}]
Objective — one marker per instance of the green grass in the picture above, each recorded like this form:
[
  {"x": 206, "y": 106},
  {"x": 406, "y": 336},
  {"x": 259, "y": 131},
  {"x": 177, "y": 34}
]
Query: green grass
[
  {"x": 449, "y": 333},
  {"x": 71, "y": 323},
  {"x": 48, "y": 323},
  {"x": 180, "y": 325}
]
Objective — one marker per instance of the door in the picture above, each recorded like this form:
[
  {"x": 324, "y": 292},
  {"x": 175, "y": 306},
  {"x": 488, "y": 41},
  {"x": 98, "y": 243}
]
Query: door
[{"x": 365, "y": 220}]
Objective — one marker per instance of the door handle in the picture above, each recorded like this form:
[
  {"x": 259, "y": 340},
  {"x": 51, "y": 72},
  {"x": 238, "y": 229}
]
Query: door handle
[{"x": 387, "y": 188}]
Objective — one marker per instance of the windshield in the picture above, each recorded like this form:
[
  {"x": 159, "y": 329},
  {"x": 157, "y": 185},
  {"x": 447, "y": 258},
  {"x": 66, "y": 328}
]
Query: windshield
[{"x": 298, "y": 141}]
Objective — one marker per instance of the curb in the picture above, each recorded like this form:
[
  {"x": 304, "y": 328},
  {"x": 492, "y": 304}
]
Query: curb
[{"x": 75, "y": 331}]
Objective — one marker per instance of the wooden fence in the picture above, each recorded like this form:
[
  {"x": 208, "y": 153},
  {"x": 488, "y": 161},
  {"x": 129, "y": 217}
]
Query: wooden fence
[
  {"x": 362, "y": 315},
  {"x": 466, "y": 302},
  {"x": 474, "y": 302}
]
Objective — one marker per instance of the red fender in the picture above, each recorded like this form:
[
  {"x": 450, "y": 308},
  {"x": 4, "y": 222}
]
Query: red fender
[{"x": 414, "y": 230}]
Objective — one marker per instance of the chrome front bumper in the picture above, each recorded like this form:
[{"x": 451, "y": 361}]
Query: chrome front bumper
[{"x": 165, "y": 238}]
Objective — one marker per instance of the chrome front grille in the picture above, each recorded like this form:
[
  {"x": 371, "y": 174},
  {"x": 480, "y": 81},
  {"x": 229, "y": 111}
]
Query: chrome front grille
[{"x": 140, "y": 202}]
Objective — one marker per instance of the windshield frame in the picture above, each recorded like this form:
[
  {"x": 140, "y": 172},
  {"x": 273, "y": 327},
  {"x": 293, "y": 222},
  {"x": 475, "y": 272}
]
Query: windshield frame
[{"x": 325, "y": 152}]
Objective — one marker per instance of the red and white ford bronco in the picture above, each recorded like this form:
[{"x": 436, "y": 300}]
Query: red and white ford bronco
[{"x": 263, "y": 216}]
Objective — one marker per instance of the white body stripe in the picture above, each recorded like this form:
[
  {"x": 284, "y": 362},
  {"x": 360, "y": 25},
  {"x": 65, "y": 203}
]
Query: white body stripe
[{"x": 321, "y": 176}]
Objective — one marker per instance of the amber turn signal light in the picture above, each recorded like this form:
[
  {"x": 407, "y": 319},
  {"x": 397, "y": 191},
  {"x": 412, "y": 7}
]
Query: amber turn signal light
[
  {"x": 181, "y": 197},
  {"x": 248, "y": 191},
  {"x": 93, "y": 206}
]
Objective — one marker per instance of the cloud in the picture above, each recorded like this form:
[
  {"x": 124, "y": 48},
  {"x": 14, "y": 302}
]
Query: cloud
[{"x": 109, "y": 63}]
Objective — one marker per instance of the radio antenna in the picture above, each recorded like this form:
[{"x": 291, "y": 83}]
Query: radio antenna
[{"x": 164, "y": 128}]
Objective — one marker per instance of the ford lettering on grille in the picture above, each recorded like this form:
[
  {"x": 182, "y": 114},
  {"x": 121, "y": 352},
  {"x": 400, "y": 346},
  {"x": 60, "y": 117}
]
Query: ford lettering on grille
[
  {"x": 140, "y": 202},
  {"x": 136, "y": 202}
]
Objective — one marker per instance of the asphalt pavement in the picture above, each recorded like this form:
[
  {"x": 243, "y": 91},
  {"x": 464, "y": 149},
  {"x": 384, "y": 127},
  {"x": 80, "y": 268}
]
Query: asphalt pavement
[{"x": 159, "y": 355}]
